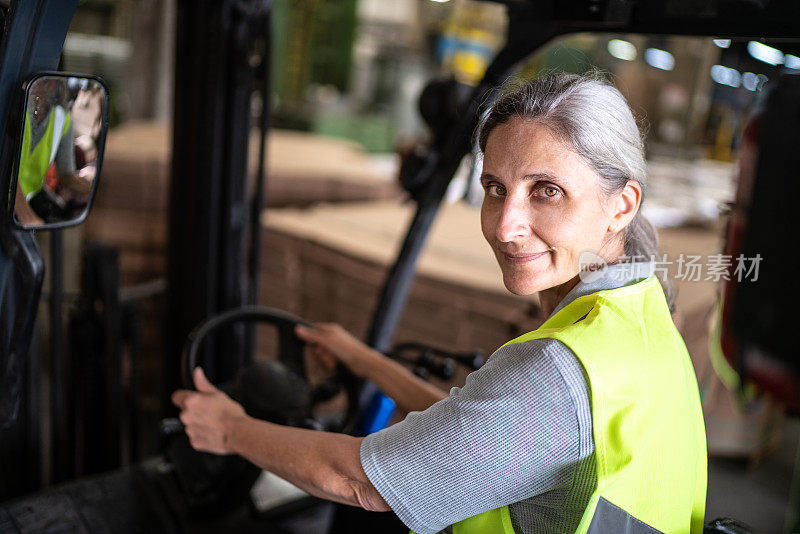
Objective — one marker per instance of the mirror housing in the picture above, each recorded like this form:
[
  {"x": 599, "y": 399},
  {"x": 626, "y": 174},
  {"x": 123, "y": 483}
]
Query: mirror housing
[{"x": 64, "y": 121}]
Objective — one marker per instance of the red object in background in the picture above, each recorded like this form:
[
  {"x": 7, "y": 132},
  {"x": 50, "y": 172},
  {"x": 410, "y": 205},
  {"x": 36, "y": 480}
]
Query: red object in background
[
  {"x": 735, "y": 231},
  {"x": 51, "y": 177},
  {"x": 769, "y": 375}
]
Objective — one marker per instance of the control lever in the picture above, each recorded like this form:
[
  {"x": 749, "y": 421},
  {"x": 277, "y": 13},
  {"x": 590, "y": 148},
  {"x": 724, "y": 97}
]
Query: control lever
[{"x": 435, "y": 361}]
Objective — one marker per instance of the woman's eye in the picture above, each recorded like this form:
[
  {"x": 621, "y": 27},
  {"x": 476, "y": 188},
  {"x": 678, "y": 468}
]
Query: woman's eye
[
  {"x": 548, "y": 191},
  {"x": 495, "y": 190}
]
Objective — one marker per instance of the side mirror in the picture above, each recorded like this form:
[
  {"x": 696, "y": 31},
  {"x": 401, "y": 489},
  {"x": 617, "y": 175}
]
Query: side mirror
[{"x": 60, "y": 150}]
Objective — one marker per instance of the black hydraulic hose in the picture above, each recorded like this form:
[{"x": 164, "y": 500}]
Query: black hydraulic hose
[{"x": 259, "y": 193}]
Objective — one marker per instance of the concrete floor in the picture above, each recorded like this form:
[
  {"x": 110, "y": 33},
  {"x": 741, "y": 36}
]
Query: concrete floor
[{"x": 757, "y": 495}]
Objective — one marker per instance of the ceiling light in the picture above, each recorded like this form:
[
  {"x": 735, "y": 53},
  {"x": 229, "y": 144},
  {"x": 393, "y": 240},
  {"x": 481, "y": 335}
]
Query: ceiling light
[
  {"x": 765, "y": 53},
  {"x": 792, "y": 62},
  {"x": 660, "y": 59},
  {"x": 750, "y": 81},
  {"x": 725, "y": 76},
  {"x": 620, "y": 49}
]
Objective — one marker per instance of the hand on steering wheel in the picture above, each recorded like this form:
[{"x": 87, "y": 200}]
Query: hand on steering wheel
[
  {"x": 331, "y": 343},
  {"x": 277, "y": 390},
  {"x": 207, "y": 415}
]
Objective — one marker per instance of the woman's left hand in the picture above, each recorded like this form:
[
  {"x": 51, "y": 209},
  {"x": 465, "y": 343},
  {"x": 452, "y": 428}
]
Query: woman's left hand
[{"x": 208, "y": 414}]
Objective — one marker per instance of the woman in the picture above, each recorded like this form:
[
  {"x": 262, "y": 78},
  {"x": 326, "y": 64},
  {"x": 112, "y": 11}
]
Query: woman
[{"x": 591, "y": 423}]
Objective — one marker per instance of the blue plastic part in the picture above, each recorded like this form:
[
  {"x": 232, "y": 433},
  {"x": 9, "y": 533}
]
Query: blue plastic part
[{"x": 377, "y": 414}]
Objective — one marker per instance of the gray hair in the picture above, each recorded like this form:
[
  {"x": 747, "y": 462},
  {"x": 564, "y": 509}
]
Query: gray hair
[{"x": 594, "y": 118}]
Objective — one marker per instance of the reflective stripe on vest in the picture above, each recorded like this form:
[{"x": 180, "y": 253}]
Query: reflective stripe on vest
[
  {"x": 34, "y": 161},
  {"x": 648, "y": 429}
]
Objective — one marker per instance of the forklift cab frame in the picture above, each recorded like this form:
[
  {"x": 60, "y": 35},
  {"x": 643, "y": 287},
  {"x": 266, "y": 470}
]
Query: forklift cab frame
[{"x": 213, "y": 217}]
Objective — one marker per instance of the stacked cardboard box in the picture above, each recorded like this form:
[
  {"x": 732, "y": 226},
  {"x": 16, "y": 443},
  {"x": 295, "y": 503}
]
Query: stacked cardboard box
[{"x": 130, "y": 211}]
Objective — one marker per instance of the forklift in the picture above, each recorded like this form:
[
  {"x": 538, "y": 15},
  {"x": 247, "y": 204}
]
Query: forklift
[{"x": 214, "y": 237}]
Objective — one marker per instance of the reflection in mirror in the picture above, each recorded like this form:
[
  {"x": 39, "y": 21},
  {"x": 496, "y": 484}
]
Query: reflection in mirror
[{"x": 62, "y": 140}]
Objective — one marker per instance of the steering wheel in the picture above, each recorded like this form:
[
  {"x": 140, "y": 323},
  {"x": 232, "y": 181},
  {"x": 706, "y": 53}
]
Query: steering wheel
[{"x": 275, "y": 390}]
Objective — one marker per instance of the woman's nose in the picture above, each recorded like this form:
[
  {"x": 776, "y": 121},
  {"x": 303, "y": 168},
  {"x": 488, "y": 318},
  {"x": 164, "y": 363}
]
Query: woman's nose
[{"x": 514, "y": 222}]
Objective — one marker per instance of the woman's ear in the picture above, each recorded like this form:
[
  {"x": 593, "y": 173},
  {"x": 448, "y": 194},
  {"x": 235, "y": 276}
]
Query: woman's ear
[{"x": 625, "y": 206}]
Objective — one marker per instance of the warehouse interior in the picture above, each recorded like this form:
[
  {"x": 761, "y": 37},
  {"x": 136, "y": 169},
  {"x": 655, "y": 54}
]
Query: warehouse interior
[{"x": 354, "y": 92}]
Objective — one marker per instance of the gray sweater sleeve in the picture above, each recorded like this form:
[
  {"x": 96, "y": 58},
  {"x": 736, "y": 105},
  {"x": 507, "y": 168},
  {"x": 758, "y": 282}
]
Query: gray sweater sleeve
[{"x": 511, "y": 433}]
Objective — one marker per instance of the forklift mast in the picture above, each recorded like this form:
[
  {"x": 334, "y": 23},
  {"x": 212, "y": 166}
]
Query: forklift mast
[{"x": 223, "y": 55}]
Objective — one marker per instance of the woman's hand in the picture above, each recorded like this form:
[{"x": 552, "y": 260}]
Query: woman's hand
[
  {"x": 331, "y": 343},
  {"x": 324, "y": 464},
  {"x": 208, "y": 414}
]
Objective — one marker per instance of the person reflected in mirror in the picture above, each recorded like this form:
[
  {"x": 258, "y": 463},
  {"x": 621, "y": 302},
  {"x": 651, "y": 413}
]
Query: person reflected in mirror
[
  {"x": 48, "y": 176},
  {"x": 590, "y": 423}
]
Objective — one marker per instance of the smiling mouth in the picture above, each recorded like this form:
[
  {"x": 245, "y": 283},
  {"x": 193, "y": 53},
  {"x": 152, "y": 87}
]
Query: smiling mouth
[{"x": 523, "y": 258}]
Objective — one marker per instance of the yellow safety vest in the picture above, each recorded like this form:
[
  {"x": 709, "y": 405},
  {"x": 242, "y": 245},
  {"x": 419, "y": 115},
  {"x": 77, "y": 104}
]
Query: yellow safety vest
[
  {"x": 34, "y": 161},
  {"x": 649, "y": 436}
]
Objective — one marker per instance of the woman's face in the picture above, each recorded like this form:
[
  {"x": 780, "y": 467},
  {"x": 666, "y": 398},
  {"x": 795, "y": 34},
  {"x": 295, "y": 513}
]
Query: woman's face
[{"x": 543, "y": 207}]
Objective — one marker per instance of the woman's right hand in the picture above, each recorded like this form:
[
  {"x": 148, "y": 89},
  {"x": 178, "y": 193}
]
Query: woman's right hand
[{"x": 331, "y": 343}]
